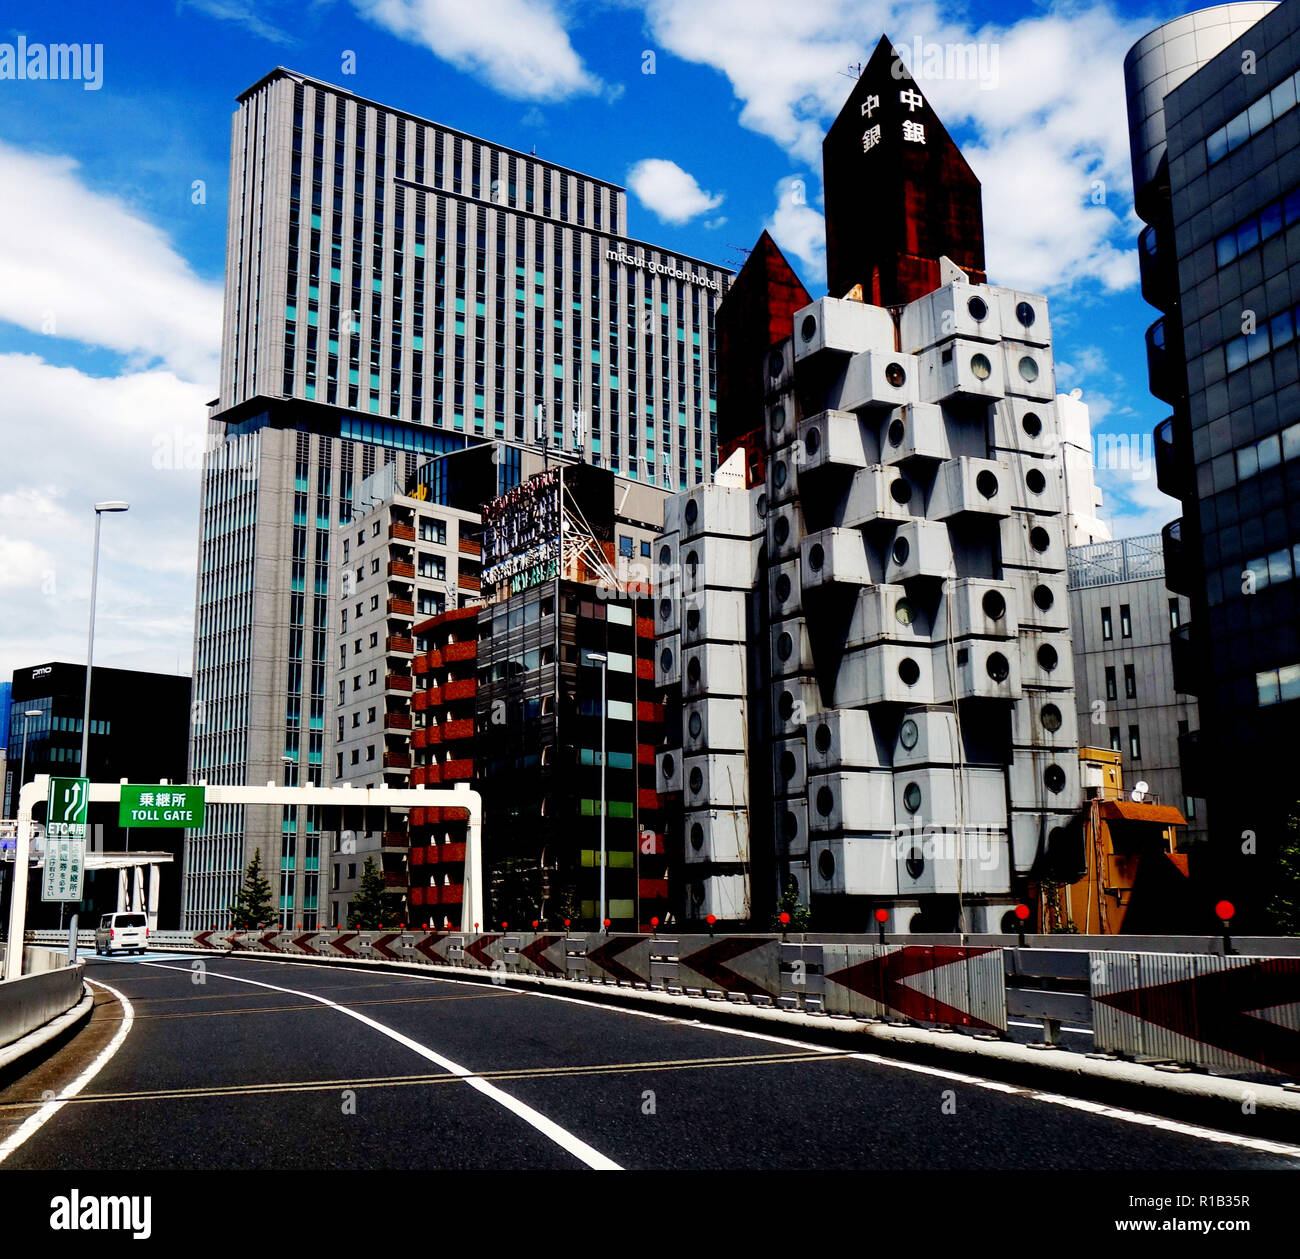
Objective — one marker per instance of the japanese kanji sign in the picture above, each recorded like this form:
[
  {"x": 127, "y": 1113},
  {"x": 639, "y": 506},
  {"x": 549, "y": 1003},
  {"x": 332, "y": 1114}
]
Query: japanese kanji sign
[
  {"x": 65, "y": 839},
  {"x": 160, "y": 806}
]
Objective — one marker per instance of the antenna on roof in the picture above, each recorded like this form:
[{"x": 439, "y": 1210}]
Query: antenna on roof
[
  {"x": 740, "y": 249},
  {"x": 853, "y": 72}
]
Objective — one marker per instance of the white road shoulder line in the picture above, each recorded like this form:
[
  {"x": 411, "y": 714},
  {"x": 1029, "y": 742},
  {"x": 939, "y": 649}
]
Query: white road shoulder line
[
  {"x": 34, "y": 1123},
  {"x": 547, "y": 1127}
]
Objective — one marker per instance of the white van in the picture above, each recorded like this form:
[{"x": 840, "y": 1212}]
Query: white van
[{"x": 121, "y": 933}]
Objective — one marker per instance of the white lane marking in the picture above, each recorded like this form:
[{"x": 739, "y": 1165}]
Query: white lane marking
[
  {"x": 1083, "y": 1031},
  {"x": 899, "y": 1064},
  {"x": 34, "y": 1123},
  {"x": 547, "y": 1127}
]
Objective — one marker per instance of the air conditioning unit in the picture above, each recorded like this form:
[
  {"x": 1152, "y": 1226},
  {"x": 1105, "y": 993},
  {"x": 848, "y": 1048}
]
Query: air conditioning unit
[
  {"x": 846, "y": 738},
  {"x": 960, "y": 369},
  {"x": 897, "y": 673},
  {"x": 1046, "y": 660},
  {"x": 834, "y": 439},
  {"x": 790, "y": 827},
  {"x": 782, "y": 421},
  {"x": 881, "y": 492},
  {"x": 714, "y": 616},
  {"x": 853, "y": 865},
  {"x": 1053, "y": 835},
  {"x": 778, "y": 368},
  {"x": 715, "y": 725},
  {"x": 985, "y": 669},
  {"x": 724, "y": 896},
  {"x": 917, "y": 431},
  {"x": 977, "y": 607},
  {"x": 791, "y": 650},
  {"x": 713, "y": 669},
  {"x": 668, "y": 661},
  {"x": 875, "y": 380},
  {"x": 668, "y": 771},
  {"x": 834, "y": 556},
  {"x": 716, "y": 781},
  {"x": 1025, "y": 424},
  {"x": 784, "y": 589},
  {"x": 977, "y": 486},
  {"x": 785, "y": 530},
  {"x": 719, "y": 564},
  {"x": 1035, "y": 483},
  {"x": 1047, "y": 720},
  {"x": 1033, "y": 541},
  {"x": 851, "y": 800},
  {"x": 1029, "y": 371},
  {"x": 956, "y": 310},
  {"x": 925, "y": 797},
  {"x": 921, "y": 548},
  {"x": 885, "y": 613},
  {"x": 838, "y": 326},
  {"x": 789, "y": 767},
  {"x": 795, "y": 701},
  {"x": 782, "y": 476},
  {"x": 1045, "y": 779},
  {"x": 720, "y": 510},
  {"x": 717, "y": 835},
  {"x": 1025, "y": 317},
  {"x": 1043, "y": 599}
]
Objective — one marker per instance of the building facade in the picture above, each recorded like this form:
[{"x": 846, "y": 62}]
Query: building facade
[
  {"x": 1215, "y": 137},
  {"x": 395, "y": 291},
  {"x": 1121, "y": 616}
]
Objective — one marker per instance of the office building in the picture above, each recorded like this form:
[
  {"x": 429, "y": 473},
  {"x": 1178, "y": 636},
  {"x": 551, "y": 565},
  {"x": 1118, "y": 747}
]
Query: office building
[
  {"x": 1121, "y": 616},
  {"x": 398, "y": 290},
  {"x": 1215, "y": 138}
]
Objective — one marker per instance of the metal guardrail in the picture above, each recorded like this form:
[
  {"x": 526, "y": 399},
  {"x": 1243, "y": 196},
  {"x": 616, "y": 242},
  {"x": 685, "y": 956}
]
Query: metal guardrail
[{"x": 48, "y": 987}]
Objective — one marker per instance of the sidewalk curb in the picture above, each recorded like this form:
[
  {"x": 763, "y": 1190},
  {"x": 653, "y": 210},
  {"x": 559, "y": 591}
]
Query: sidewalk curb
[{"x": 47, "y": 1032}]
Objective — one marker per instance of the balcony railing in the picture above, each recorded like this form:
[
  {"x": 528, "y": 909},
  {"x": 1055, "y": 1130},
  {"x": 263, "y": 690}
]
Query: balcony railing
[
  {"x": 460, "y": 651},
  {"x": 401, "y": 568},
  {"x": 460, "y": 729},
  {"x": 461, "y": 688},
  {"x": 466, "y": 582},
  {"x": 396, "y": 839},
  {"x": 1178, "y": 574},
  {"x": 401, "y": 607},
  {"x": 1162, "y": 371},
  {"x": 1168, "y": 461},
  {"x": 397, "y": 721},
  {"x": 397, "y": 760},
  {"x": 467, "y": 546},
  {"x": 405, "y": 533},
  {"x": 399, "y": 644},
  {"x": 397, "y": 682}
]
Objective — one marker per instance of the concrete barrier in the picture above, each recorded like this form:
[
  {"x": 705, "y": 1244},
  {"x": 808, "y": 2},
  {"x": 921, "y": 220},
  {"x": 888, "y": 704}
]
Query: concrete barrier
[{"x": 47, "y": 988}]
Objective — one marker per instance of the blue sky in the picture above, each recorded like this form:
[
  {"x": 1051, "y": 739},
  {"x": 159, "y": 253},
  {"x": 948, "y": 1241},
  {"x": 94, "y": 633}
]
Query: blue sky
[{"x": 110, "y": 266}]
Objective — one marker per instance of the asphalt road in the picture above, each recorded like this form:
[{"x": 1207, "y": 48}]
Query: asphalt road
[{"x": 291, "y": 1065}]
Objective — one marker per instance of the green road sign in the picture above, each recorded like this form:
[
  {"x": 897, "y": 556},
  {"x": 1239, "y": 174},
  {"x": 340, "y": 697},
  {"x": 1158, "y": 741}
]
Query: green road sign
[
  {"x": 65, "y": 838},
  {"x": 160, "y": 806}
]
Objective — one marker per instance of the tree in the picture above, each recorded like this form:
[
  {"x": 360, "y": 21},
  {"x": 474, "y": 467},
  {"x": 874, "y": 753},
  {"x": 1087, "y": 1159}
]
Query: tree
[
  {"x": 253, "y": 907},
  {"x": 370, "y": 907},
  {"x": 1283, "y": 907},
  {"x": 800, "y": 915}
]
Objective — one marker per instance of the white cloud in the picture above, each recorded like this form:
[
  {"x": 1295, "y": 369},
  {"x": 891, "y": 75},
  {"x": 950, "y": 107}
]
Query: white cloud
[
  {"x": 78, "y": 264},
  {"x": 242, "y": 14},
  {"x": 670, "y": 192},
  {"x": 519, "y": 47},
  {"x": 800, "y": 230}
]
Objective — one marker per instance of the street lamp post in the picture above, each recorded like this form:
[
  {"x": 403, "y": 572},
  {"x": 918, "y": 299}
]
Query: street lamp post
[
  {"x": 603, "y": 661},
  {"x": 28, "y": 714},
  {"x": 100, "y": 509}
]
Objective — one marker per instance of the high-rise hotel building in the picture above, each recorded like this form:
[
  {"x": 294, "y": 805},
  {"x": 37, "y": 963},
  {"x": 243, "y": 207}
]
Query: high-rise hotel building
[{"x": 397, "y": 290}]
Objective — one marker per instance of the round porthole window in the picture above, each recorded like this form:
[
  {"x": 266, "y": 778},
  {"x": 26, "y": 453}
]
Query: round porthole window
[
  {"x": 695, "y": 724},
  {"x": 822, "y": 739},
  {"x": 665, "y": 609},
  {"x": 1054, "y": 777},
  {"x": 901, "y": 491},
  {"x": 901, "y": 550},
  {"x": 789, "y": 827},
  {"x": 908, "y": 734},
  {"x": 780, "y": 474},
  {"x": 785, "y": 646},
  {"x": 812, "y": 441},
  {"x": 895, "y": 375},
  {"x": 781, "y": 530},
  {"x": 915, "y": 864},
  {"x": 1047, "y": 657},
  {"x": 778, "y": 418},
  {"x": 693, "y": 671},
  {"x": 912, "y": 797},
  {"x": 692, "y": 511},
  {"x": 909, "y": 672},
  {"x": 1025, "y": 313},
  {"x": 997, "y": 666},
  {"x": 1028, "y": 368},
  {"x": 774, "y": 363},
  {"x": 1032, "y": 424},
  {"x": 825, "y": 801},
  {"x": 826, "y": 865},
  {"x": 697, "y": 893},
  {"x": 808, "y": 328},
  {"x": 666, "y": 660},
  {"x": 697, "y": 836},
  {"x": 980, "y": 366},
  {"x": 903, "y": 612},
  {"x": 897, "y": 430},
  {"x": 979, "y": 309},
  {"x": 665, "y": 556},
  {"x": 783, "y": 587},
  {"x": 1043, "y": 598},
  {"x": 816, "y": 557},
  {"x": 697, "y": 781},
  {"x": 986, "y": 483},
  {"x": 785, "y": 705},
  {"x": 994, "y": 605},
  {"x": 693, "y": 620},
  {"x": 692, "y": 561},
  {"x": 761, "y": 506},
  {"x": 1051, "y": 717},
  {"x": 788, "y": 766},
  {"x": 1039, "y": 538},
  {"x": 1036, "y": 481},
  {"x": 670, "y": 766}
]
